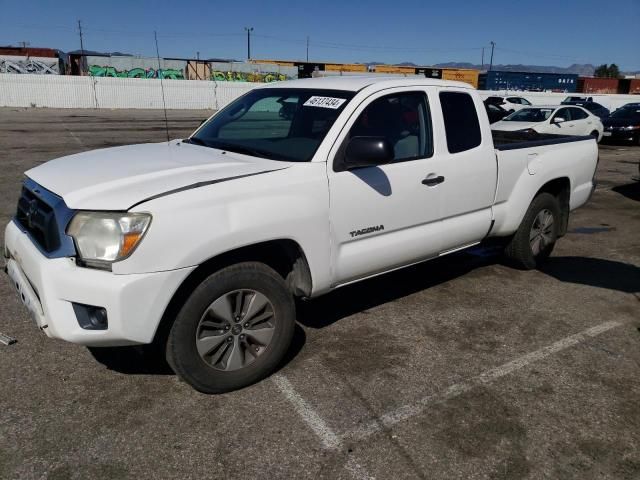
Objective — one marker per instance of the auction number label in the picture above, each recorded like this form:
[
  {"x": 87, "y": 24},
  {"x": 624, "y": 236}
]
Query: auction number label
[{"x": 324, "y": 102}]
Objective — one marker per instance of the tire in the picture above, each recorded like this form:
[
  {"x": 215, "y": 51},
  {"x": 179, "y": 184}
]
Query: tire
[
  {"x": 523, "y": 251},
  {"x": 233, "y": 330},
  {"x": 595, "y": 135}
]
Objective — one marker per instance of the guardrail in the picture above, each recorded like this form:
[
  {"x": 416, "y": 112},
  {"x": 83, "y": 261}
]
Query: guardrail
[{"x": 63, "y": 91}]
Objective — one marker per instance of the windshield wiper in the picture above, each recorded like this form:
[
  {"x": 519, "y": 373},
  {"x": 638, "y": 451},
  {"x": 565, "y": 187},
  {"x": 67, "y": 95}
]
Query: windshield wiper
[
  {"x": 232, "y": 147},
  {"x": 196, "y": 141}
]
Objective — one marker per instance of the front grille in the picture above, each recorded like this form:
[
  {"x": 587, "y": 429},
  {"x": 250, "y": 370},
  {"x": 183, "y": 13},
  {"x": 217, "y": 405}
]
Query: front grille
[{"x": 38, "y": 219}]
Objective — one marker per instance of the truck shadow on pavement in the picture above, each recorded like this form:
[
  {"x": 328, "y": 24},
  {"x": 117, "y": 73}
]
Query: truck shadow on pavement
[
  {"x": 150, "y": 359},
  {"x": 594, "y": 272},
  {"x": 344, "y": 302},
  {"x": 361, "y": 296},
  {"x": 630, "y": 190},
  {"x": 326, "y": 310}
]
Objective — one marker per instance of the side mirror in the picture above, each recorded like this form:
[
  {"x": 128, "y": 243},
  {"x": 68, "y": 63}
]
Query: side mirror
[
  {"x": 558, "y": 120},
  {"x": 367, "y": 152}
]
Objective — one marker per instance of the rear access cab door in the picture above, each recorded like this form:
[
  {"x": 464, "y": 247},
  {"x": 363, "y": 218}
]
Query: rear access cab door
[{"x": 428, "y": 200}]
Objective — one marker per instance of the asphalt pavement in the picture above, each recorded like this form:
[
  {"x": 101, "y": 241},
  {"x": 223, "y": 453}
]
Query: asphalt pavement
[{"x": 457, "y": 368}]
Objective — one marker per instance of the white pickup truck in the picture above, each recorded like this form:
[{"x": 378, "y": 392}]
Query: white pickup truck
[{"x": 292, "y": 190}]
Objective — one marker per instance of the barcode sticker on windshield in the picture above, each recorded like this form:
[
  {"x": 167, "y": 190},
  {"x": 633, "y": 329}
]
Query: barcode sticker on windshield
[{"x": 324, "y": 102}]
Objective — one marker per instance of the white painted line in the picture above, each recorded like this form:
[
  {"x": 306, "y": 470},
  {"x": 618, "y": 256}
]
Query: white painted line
[
  {"x": 327, "y": 436},
  {"x": 405, "y": 412}
]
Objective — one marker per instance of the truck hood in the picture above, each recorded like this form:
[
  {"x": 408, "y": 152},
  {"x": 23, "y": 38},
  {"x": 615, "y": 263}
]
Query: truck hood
[
  {"x": 118, "y": 178},
  {"x": 513, "y": 126}
]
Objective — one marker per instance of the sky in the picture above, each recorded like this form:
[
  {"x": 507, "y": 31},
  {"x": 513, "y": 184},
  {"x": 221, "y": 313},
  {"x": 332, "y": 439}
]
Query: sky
[{"x": 540, "y": 32}]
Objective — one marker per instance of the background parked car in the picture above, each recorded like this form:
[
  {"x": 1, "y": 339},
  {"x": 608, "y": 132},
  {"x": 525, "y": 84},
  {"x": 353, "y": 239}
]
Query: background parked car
[
  {"x": 595, "y": 108},
  {"x": 571, "y": 99},
  {"x": 495, "y": 112},
  {"x": 559, "y": 120},
  {"x": 623, "y": 124},
  {"x": 510, "y": 104}
]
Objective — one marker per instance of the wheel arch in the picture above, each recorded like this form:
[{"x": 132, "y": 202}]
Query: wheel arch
[
  {"x": 285, "y": 256},
  {"x": 561, "y": 189}
]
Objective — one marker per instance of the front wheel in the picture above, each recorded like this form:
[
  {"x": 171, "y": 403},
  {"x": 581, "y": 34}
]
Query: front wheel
[
  {"x": 233, "y": 330},
  {"x": 534, "y": 240}
]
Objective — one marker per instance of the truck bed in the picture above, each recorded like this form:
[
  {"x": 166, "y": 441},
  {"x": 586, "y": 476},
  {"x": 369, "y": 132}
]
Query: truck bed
[{"x": 503, "y": 140}]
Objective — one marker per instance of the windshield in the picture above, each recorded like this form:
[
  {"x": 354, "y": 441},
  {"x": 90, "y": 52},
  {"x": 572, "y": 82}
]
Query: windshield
[
  {"x": 276, "y": 123},
  {"x": 530, "y": 115},
  {"x": 627, "y": 112}
]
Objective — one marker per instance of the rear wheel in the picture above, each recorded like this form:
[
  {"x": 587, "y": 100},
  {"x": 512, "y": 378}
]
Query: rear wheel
[
  {"x": 233, "y": 330},
  {"x": 595, "y": 135},
  {"x": 535, "y": 238}
]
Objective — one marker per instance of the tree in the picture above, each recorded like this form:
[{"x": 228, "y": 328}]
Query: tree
[
  {"x": 601, "y": 71},
  {"x": 607, "y": 71},
  {"x": 614, "y": 71}
]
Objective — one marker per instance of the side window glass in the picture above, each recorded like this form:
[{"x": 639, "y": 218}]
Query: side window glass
[
  {"x": 460, "y": 121},
  {"x": 577, "y": 114},
  {"x": 403, "y": 120},
  {"x": 562, "y": 113}
]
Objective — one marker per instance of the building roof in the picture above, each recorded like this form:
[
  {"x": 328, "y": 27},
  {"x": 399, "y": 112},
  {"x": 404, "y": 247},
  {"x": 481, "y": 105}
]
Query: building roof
[{"x": 355, "y": 83}]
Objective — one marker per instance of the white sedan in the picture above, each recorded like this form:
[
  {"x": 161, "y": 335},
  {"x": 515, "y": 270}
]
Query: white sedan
[
  {"x": 559, "y": 120},
  {"x": 510, "y": 104}
]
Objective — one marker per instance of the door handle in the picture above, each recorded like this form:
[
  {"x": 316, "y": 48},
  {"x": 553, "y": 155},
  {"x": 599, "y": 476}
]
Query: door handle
[{"x": 431, "y": 181}]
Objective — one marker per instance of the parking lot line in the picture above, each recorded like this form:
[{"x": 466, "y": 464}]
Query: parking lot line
[
  {"x": 330, "y": 440},
  {"x": 315, "y": 422},
  {"x": 405, "y": 412}
]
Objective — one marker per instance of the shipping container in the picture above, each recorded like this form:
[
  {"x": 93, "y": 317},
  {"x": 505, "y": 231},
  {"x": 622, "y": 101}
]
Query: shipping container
[
  {"x": 461, "y": 75},
  {"x": 345, "y": 67},
  {"x": 402, "y": 70},
  {"x": 528, "y": 81},
  {"x": 597, "y": 85},
  {"x": 282, "y": 63},
  {"x": 29, "y": 52},
  {"x": 629, "y": 86}
]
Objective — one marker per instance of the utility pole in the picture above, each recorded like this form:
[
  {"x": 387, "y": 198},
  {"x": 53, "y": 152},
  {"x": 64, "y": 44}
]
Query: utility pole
[
  {"x": 482, "y": 67},
  {"x": 81, "y": 49},
  {"x": 24, "y": 44},
  {"x": 198, "y": 56},
  {"x": 307, "y": 48},
  {"x": 248, "y": 30},
  {"x": 493, "y": 45}
]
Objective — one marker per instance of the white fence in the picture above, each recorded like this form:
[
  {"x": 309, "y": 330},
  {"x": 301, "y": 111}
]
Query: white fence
[{"x": 62, "y": 91}]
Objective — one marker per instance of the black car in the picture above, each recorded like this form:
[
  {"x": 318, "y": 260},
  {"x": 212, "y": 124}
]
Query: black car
[
  {"x": 495, "y": 112},
  {"x": 595, "y": 108},
  {"x": 623, "y": 124}
]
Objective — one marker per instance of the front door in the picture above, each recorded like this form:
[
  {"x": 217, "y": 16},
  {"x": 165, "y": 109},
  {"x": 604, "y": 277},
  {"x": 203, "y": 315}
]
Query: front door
[{"x": 386, "y": 216}]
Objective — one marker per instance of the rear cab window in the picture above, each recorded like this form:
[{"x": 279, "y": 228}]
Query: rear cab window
[{"x": 461, "y": 123}]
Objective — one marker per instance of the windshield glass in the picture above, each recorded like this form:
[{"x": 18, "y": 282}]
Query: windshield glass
[
  {"x": 276, "y": 123},
  {"x": 530, "y": 115},
  {"x": 627, "y": 112}
]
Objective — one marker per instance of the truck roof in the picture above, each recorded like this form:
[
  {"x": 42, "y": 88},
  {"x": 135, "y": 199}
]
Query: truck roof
[{"x": 358, "y": 82}]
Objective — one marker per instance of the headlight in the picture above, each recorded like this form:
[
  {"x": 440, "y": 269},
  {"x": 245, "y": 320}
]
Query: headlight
[
  {"x": 633, "y": 127},
  {"x": 102, "y": 238}
]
